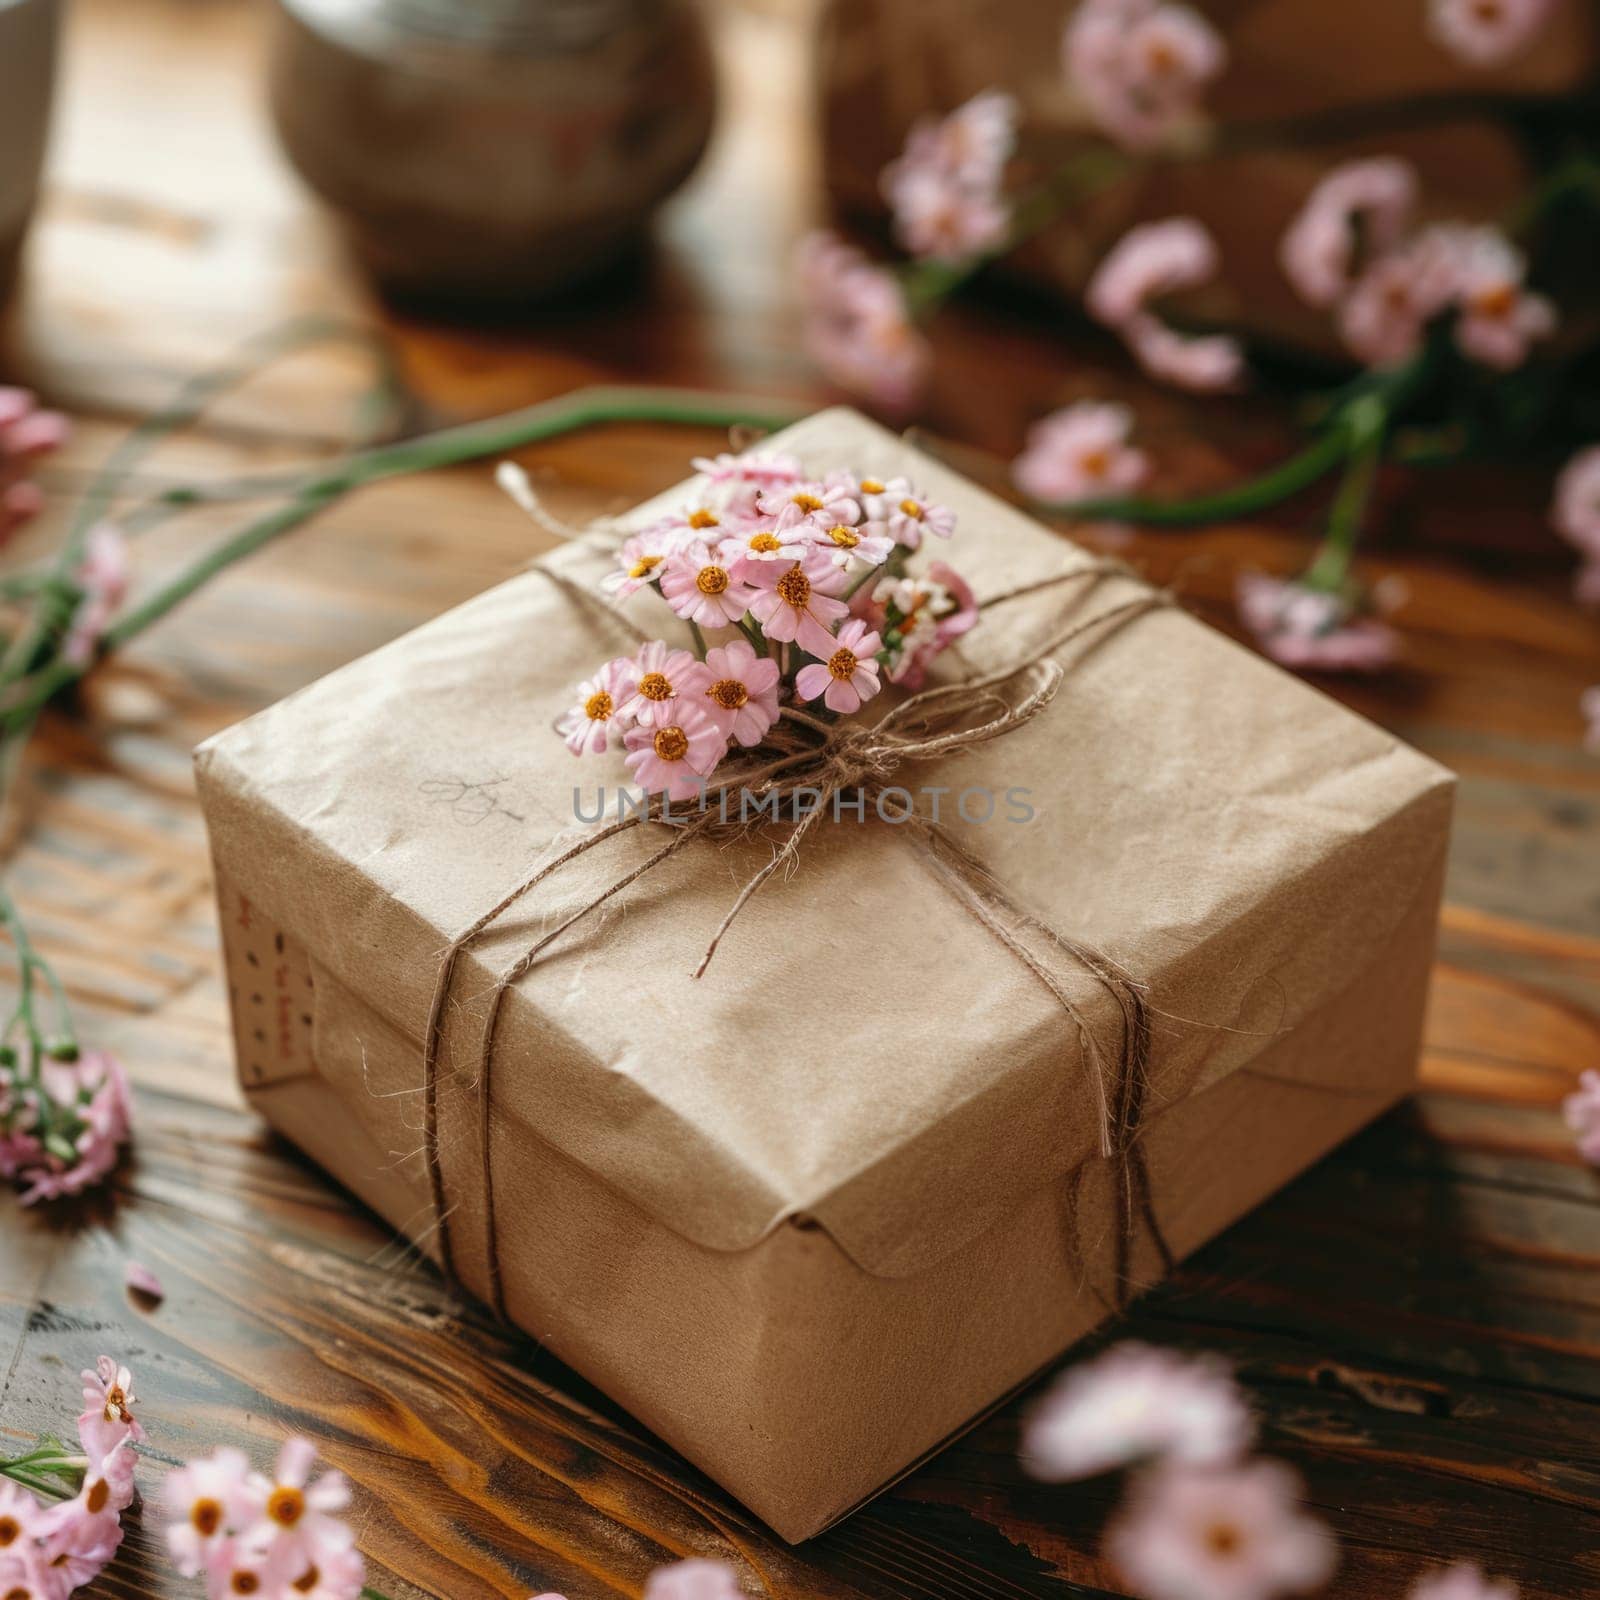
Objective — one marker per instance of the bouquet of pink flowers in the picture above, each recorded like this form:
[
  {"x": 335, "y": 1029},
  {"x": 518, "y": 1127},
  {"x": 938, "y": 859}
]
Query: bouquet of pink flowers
[{"x": 798, "y": 603}]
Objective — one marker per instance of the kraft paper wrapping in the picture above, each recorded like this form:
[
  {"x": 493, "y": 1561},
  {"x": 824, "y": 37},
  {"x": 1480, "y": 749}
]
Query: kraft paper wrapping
[
  {"x": 810, "y": 1214},
  {"x": 1309, "y": 83}
]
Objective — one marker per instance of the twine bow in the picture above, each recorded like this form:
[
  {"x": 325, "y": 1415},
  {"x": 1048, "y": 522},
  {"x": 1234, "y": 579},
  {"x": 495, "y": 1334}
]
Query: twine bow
[{"x": 805, "y": 755}]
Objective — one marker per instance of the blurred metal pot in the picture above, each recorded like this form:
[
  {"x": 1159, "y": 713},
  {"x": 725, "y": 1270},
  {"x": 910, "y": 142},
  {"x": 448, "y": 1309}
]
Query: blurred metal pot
[
  {"x": 28, "y": 30},
  {"x": 492, "y": 150}
]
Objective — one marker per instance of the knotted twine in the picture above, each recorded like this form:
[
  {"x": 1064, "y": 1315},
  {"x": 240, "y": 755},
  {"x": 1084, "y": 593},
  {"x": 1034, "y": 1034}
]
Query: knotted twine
[{"x": 806, "y": 755}]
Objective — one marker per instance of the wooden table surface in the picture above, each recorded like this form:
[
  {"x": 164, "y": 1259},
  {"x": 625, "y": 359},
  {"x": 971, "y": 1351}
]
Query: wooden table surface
[{"x": 1418, "y": 1317}]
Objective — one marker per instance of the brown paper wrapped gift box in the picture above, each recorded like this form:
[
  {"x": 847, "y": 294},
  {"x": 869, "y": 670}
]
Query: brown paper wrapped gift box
[{"x": 810, "y": 1215}]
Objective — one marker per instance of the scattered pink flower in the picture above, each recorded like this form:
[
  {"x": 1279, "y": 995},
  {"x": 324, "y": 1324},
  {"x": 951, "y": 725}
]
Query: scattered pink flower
[
  {"x": 700, "y": 589},
  {"x": 675, "y": 757},
  {"x": 1365, "y": 204},
  {"x": 593, "y": 718},
  {"x": 209, "y": 1499},
  {"x": 1140, "y": 66},
  {"x": 1080, "y": 452},
  {"x": 652, "y": 680},
  {"x": 1485, "y": 33},
  {"x": 95, "y": 1089},
  {"x": 1219, "y": 1533},
  {"x": 694, "y": 1580},
  {"x": 796, "y": 603},
  {"x": 971, "y": 145},
  {"x": 849, "y": 677},
  {"x": 141, "y": 1280},
  {"x": 856, "y": 324},
  {"x": 1150, "y": 261},
  {"x": 942, "y": 217},
  {"x": 1581, "y": 1110},
  {"x": 1136, "y": 1403},
  {"x": 741, "y": 692},
  {"x": 1463, "y": 1581},
  {"x": 1309, "y": 629}
]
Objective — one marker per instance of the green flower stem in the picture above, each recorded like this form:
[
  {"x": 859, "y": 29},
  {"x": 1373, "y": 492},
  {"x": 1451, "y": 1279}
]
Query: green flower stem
[
  {"x": 1289, "y": 477},
  {"x": 699, "y": 640},
  {"x": 322, "y": 487},
  {"x": 1330, "y": 571}
]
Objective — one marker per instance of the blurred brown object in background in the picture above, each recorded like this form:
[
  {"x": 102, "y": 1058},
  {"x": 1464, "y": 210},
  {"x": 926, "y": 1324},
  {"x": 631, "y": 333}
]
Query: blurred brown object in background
[
  {"x": 1310, "y": 83},
  {"x": 27, "y": 78},
  {"x": 491, "y": 151}
]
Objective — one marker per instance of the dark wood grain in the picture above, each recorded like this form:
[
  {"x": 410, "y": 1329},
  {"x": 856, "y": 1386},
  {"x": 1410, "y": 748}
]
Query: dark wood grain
[{"x": 1418, "y": 1317}]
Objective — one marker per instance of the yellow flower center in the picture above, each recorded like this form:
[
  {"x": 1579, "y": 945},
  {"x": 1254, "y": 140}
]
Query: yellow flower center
[
  {"x": 672, "y": 744},
  {"x": 244, "y": 1583},
  {"x": 1096, "y": 463},
  {"x": 729, "y": 693},
  {"x": 794, "y": 588},
  {"x": 807, "y": 502},
  {"x": 9, "y": 1529},
  {"x": 766, "y": 543},
  {"x": 116, "y": 1405},
  {"x": 644, "y": 566},
  {"x": 845, "y": 538},
  {"x": 19, "y": 1593},
  {"x": 99, "y": 1493},
  {"x": 842, "y": 663},
  {"x": 711, "y": 580},
  {"x": 702, "y": 519},
  {"x": 1223, "y": 1539},
  {"x": 871, "y": 486},
  {"x": 654, "y": 686},
  {"x": 1497, "y": 302},
  {"x": 286, "y": 1506},
  {"x": 598, "y": 706},
  {"x": 912, "y": 510},
  {"x": 308, "y": 1580},
  {"x": 206, "y": 1516}
]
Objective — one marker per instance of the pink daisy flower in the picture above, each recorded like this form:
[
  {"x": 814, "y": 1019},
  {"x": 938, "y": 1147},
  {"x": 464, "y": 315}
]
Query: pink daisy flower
[
  {"x": 1463, "y": 1581},
  {"x": 108, "y": 1482},
  {"x": 652, "y": 680},
  {"x": 1219, "y": 1533},
  {"x": 1486, "y": 32},
  {"x": 1080, "y": 452},
  {"x": 849, "y": 676},
  {"x": 1365, "y": 203},
  {"x": 1498, "y": 319},
  {"x": 1581, "y": 1111},
  {"x": 868, "y": 543},
  {"x": 1136, "y": 1403},
  {"x": 1140, "y": 67},
  {"x": 786, "y": 539},
  {"x": 700, "y": 589},
  {"x": 1382, "y": 318},
  {"x": 640, "y": 559},
  {"x": 694, "y": 1580},
  {"x": 20, "y": 1513},
  {"x": 1309, "y": 629},
  {"x": 208, "y": 1498},
  {"x": 234, "y": 1568},
  {"x": 741, "y": 692},
  {"x": 675, "y": 757},
  {"x": 931, "y": 613},
  {"x": 820, "y": 505},
  {"x": 299, "y": 1517},
  {"x": 1205, "y": 364},
  {"x": 336, "y": 1575},
  {"x": 25, "y": 1574},
  {"x": 856, "y": 324},
  {"x": 795, "y": 603},
  {"x": 107, "y": 1417},
  {"x": 78, "y": 1542},
  {"x": 594, "y": 715},
  {"x": 913, "y": 514}
]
